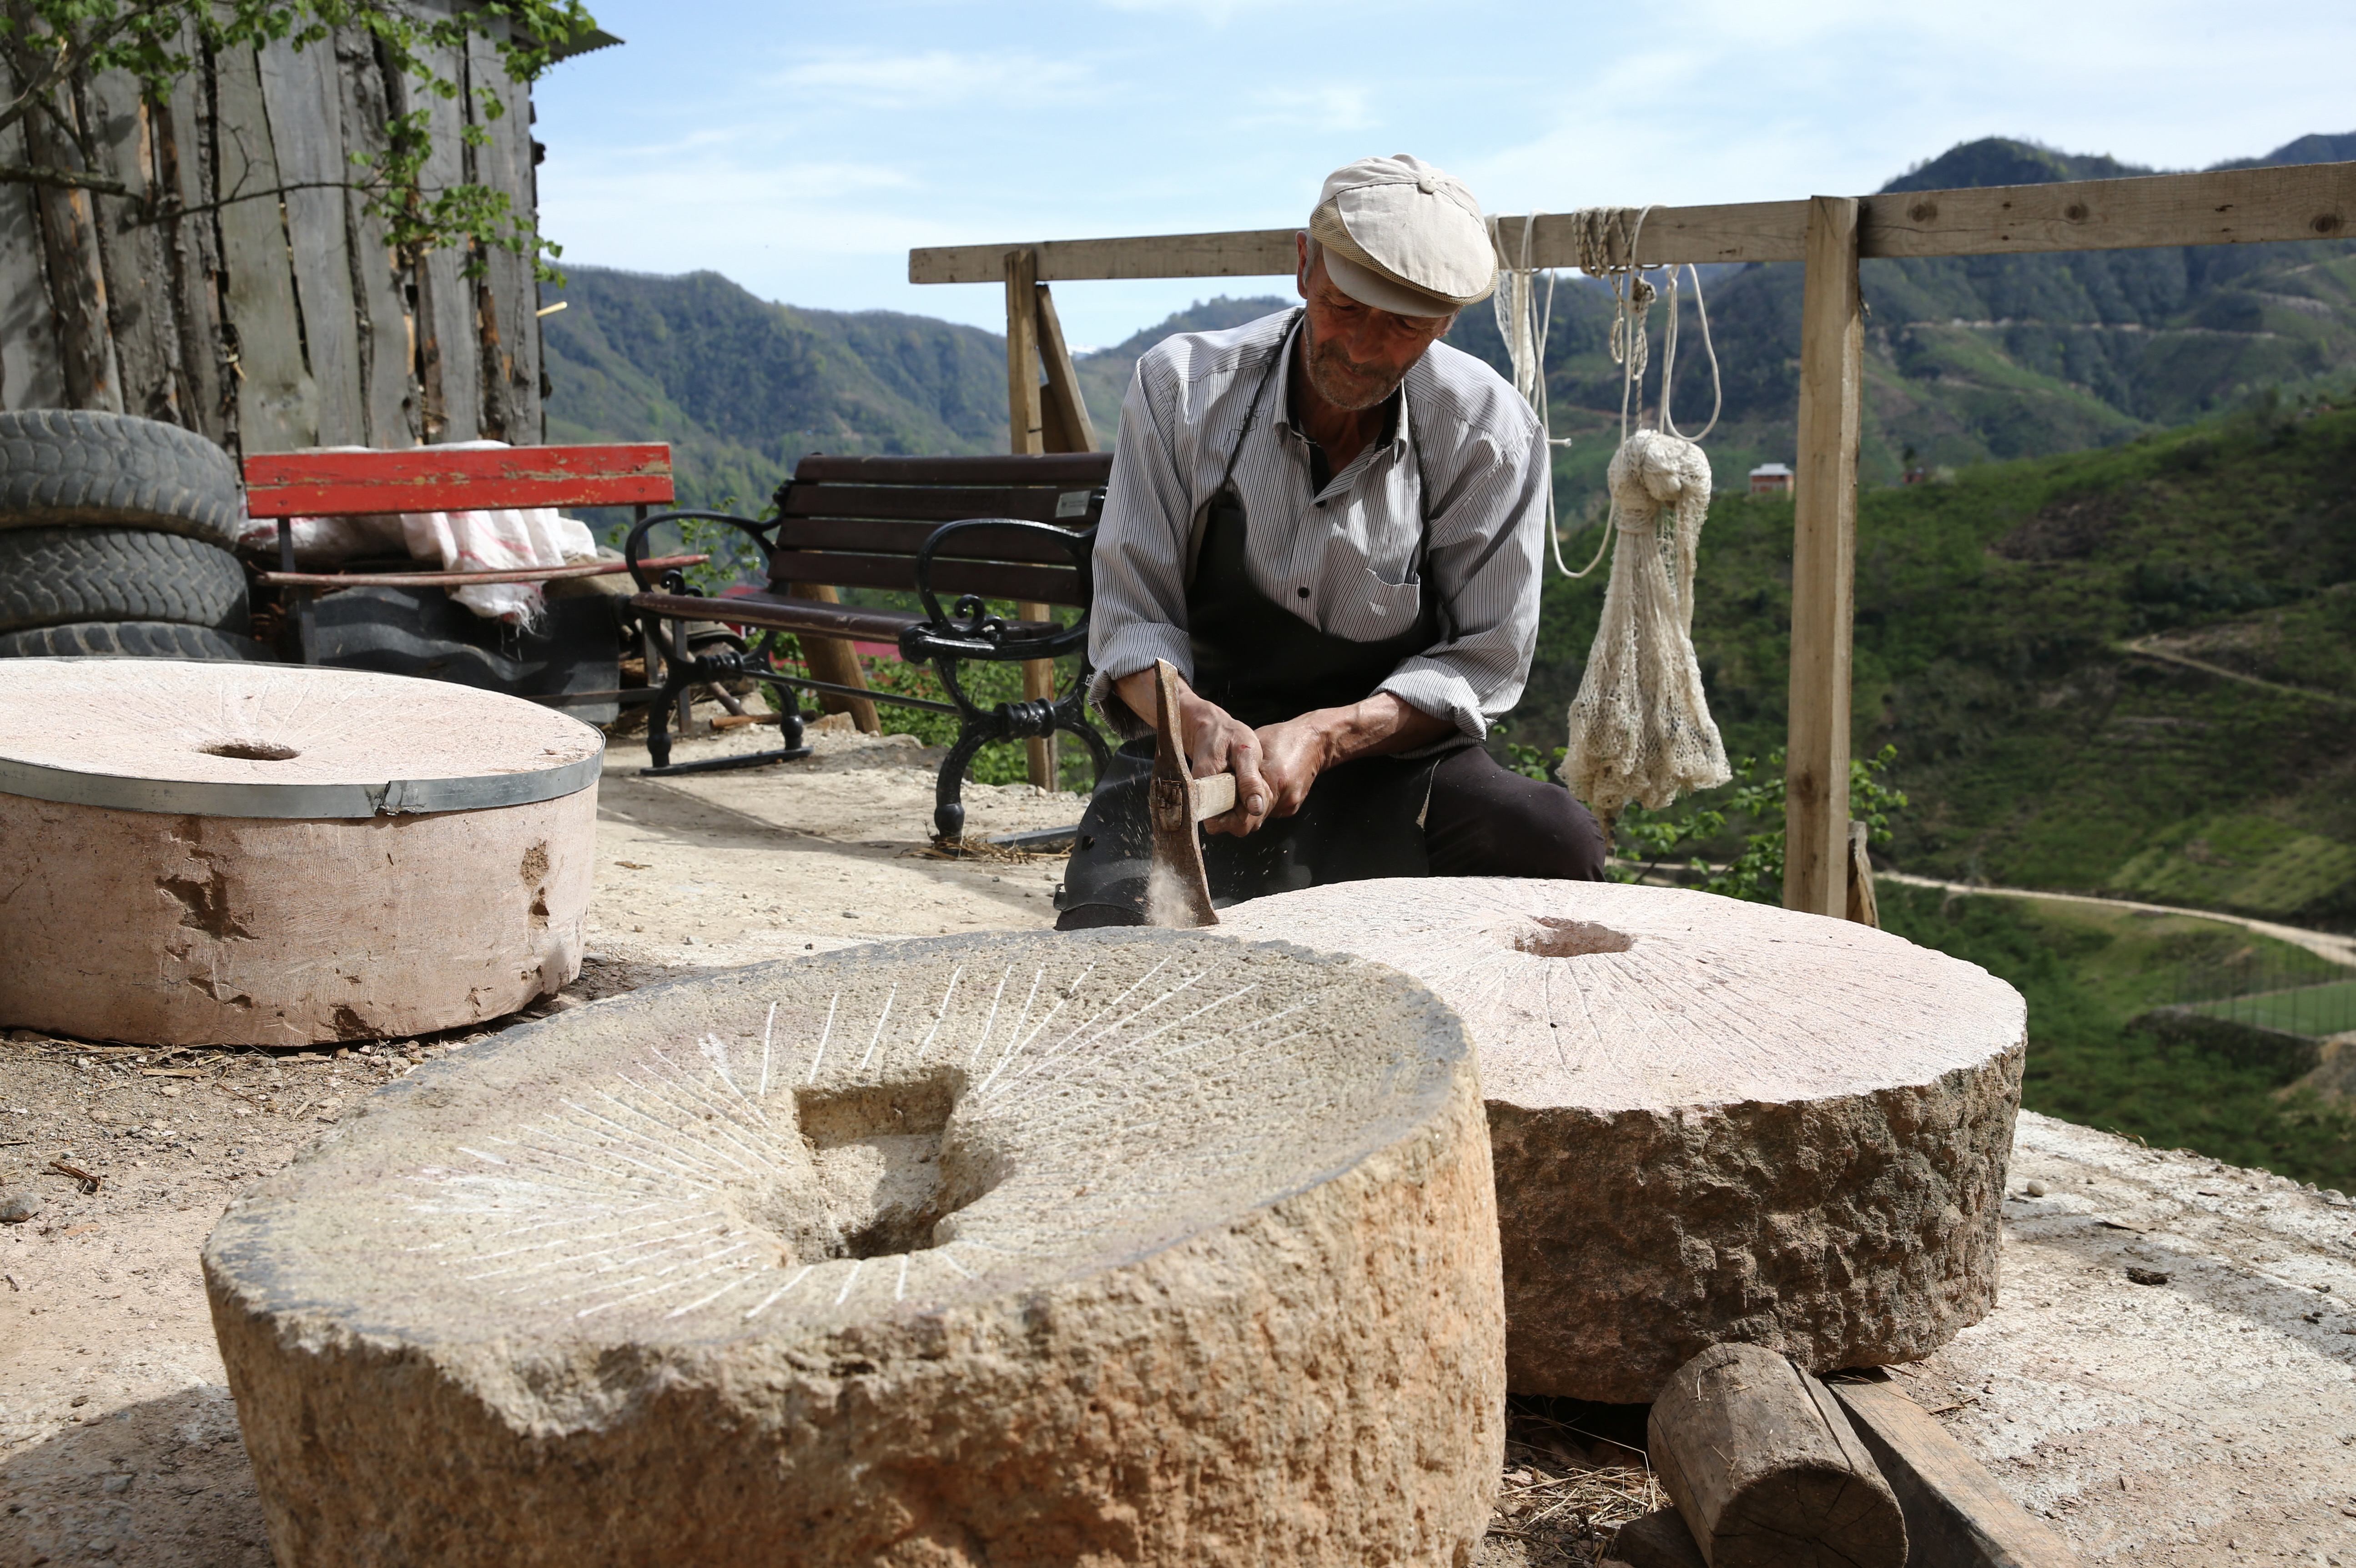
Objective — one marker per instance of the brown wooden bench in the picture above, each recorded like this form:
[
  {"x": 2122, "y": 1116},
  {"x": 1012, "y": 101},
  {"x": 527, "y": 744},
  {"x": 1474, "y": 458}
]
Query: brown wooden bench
[{"x": 965, "y": 529}]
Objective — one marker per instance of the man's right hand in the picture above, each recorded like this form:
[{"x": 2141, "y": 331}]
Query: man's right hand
[{"x": 1216, "y": 742}]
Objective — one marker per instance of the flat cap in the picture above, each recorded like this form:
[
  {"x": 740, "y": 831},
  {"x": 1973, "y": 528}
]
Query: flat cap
[{"x": 1403, "y": 237}]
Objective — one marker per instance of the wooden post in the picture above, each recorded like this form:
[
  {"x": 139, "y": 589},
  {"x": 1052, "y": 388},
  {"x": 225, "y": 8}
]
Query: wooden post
[
  {"x": 836, "y": 659},
  {"x": 1070, "y": 430},
  {"x": 1823, "y": 558},
  {"x": 1026, "y": 421}
]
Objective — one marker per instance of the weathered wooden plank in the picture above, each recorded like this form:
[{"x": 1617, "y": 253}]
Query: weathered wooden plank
[
  {"x": 464, "y": 578},
  {"x": 1824, "y": 557},
  {"x": 992, "y": 580},
  {"x": 1073, "y": 429},
  {"x": 783, "y": 613},
  {"x": 2308, "y": 201},
  {"x": 835, "y": 661},
  {"x": 449, "y": 355},
  {"x": 439, "y": 479},
  {"x": 32, "y": 373},
  {"x": 138, "y": 278},
  {"x": 298, "y": 87},
  {"x": 1025, "y": 409},
  {"x": 277, "y": 398},
  {"x": 70, "y": 253},
  {"x": 388, "y": 397},
  {"x": 508, "y": 298},
  {"x": 1073, "y": 508},
  {"x": 1071, "y": 470},
  {"x": 1245, "y": 253},
  {"x": 2232, "y": 207},
  {"x": 184, "y": 166},
  {"x": 1956, "y": 1516}
]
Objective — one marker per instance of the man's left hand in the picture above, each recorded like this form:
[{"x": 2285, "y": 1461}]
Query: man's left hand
[{"x": 1291, "y": 756}]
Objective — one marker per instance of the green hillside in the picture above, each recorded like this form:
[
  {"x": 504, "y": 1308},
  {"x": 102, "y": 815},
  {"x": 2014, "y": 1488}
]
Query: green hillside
[
  {"x": 2130, "y": 670},
  {"x": 1970, "y": 358},
  {"x": 742, "y": 388}
]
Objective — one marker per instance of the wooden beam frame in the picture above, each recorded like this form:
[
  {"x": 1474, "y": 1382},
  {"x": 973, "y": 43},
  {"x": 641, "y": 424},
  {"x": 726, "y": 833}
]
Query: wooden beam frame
[
  {"x": 1831, "y": 235},
  {"x": 2234, "y": 207}
]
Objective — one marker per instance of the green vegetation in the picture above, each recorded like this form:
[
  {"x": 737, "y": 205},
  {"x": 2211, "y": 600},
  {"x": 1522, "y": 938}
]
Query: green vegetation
[
  {"x": 1994, "y": 616},
  {"x": 2086, "y": 972},
  {"x": 2297, "y": 1009}
]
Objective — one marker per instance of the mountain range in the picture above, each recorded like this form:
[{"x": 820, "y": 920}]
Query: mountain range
[{"x": 1968, "y": 358}]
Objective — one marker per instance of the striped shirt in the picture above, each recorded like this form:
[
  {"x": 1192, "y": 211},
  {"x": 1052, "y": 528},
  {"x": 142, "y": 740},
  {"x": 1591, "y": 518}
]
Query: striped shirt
[{"x": 1343, "y": 559}]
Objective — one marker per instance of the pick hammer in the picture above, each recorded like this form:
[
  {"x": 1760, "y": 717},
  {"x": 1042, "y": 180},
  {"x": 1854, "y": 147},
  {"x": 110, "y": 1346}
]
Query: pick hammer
[{"x": 1177, "y": 891}]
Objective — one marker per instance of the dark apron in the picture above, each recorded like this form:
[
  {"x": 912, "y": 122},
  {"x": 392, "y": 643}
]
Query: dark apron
[{"x": 1265, "y": 664}]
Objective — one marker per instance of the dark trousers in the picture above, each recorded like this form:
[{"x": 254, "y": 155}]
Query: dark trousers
[{"x": 1481, "y": 820}]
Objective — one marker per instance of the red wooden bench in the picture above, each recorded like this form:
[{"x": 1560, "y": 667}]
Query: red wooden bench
[{"x": 290, "y": 485}]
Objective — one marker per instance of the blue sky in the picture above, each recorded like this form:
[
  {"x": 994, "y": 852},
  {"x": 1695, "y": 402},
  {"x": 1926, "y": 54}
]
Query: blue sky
[{"x": 801, "y": 150}]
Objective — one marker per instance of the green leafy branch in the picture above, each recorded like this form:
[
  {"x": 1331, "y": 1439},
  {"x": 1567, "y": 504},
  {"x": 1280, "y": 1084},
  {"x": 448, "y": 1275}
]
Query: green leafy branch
[
  {"x": 52, "y": 44},
  {"x": 1755, "y": 874}
]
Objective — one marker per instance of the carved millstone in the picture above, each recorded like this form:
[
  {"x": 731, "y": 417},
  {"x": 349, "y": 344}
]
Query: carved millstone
[
  {"x": 242, "y": 854},
  {"x": 1711, "y": 1121},
  {"x": 1141, "y": 1247}
]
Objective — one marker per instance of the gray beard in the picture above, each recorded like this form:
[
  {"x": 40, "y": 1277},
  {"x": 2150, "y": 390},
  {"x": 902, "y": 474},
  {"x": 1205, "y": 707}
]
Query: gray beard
[{"x": 1349, "y": 394}]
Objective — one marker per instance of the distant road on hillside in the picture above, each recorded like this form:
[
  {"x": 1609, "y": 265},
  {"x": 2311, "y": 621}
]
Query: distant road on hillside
[{"x": 2322, "y": 943}]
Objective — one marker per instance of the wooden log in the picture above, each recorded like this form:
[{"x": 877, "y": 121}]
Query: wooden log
[
  {"x": 1658, "y": 1539},
  {"x": 299, "y": 88},
  {"x": 32, "y": 371},
  {"x": 277, "y": 398},
  {"x": 388, "y": 397},
  {"x": 834, "y": 659},
  {"x": 2235, "y": 206},
  {"x": 1824, "y": 554},
  {"x": 449, "y": 357},
  {"x": 1956, "y": 1516},
  {"x": 1766, "y": 1470}
]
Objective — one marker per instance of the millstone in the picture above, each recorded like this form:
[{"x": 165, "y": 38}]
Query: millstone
[
  {"x": 1114, "y": 1247},
  {"x": 237, "y": 854},
  {"x": 1711, "y": 1121}
]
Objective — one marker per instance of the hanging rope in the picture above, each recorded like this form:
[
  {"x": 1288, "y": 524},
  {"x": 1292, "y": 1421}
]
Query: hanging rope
[{"x": 1523, "y": 322}]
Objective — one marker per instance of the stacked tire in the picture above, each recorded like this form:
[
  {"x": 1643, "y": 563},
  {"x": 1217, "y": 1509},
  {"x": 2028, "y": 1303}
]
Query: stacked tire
[{"x": 115, "y": 540}]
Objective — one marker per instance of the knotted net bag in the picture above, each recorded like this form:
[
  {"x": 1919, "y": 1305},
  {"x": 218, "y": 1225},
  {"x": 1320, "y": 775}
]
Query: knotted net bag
[{"x": 1640, "y": 727}]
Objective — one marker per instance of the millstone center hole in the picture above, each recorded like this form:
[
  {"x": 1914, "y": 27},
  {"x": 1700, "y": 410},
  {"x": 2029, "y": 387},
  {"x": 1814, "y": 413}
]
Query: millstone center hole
[
  {"x": 1555, "y": 936},
  {"x": 889, "y": 1167},
  {"x": 251, "y": 750}
]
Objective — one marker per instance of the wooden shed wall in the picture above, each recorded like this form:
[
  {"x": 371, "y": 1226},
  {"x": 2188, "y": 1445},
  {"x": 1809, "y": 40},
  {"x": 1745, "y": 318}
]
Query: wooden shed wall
[{"x": 270, "y": 324}]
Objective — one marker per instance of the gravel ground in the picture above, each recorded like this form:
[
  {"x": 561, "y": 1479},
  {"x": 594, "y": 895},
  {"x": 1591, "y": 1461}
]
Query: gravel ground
[{"x": 2208, "y": 1419}]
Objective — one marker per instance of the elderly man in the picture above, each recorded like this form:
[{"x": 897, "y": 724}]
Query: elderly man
[{"x": 1330, "y": 522}]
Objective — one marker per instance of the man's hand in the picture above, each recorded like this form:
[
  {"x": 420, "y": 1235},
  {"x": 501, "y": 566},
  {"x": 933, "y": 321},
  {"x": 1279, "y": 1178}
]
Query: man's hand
[
  {"x": 1216, "y": 742},
  {"x": 1275, "y": 766}
]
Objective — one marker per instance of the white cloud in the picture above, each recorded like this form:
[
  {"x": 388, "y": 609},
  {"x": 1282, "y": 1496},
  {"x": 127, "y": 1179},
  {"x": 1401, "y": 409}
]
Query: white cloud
[{"x": 936, "y": 80}]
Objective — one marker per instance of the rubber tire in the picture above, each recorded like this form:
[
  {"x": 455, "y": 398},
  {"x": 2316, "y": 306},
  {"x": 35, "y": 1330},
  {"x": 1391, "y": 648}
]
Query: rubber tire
[
  {"x": 68, "y": 465},
  {"x": 133, "y": 640},
  {"x": 51, "y": 577}
]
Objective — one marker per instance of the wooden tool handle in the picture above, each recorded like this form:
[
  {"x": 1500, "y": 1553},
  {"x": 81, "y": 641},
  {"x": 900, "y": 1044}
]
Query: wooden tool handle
[{"x": 1212, "y": 797}]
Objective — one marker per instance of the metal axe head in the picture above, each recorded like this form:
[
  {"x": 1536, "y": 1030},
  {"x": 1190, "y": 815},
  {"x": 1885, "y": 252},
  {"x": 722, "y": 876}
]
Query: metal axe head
[{"x": 1177, "y": 892}]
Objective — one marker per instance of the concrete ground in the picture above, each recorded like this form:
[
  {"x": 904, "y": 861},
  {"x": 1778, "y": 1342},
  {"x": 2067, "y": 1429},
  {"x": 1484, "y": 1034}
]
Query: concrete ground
[{"x": 2210, "y": 1418}]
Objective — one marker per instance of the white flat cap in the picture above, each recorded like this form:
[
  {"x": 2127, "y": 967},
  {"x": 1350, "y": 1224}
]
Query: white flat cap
[{"x": 1403, "y": 237}]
